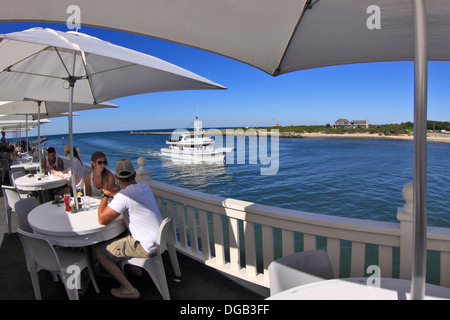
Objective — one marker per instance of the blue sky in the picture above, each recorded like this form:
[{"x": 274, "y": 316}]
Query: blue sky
[{"x": 379, "y": 92}]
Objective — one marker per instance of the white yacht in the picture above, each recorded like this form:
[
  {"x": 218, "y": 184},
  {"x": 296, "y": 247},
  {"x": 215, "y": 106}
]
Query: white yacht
[{"x": 194, "y": 147}]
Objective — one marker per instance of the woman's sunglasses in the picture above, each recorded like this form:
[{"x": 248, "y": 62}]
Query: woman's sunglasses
[{"x": 102, "y": 162}]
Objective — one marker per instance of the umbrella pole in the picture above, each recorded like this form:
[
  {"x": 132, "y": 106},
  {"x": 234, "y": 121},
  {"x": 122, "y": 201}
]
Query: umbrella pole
[
  {"x": 26, "y": 133},
  {"x": 39, "y": 135},
  {"x": 72, "y": 84},
  {"x": 420, "y": 150}
]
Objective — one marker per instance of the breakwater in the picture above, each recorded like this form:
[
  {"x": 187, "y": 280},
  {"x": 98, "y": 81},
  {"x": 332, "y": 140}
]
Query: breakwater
[
  {"x": 149, "y": 133},
  {"x": 35, "y": 142}
]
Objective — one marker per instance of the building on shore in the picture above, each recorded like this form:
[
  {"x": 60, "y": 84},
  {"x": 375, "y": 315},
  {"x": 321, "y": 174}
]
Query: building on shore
[{"x": 354, "y": 124}]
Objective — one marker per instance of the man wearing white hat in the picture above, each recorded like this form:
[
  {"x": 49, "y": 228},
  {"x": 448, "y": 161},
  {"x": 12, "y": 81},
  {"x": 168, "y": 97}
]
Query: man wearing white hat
[{"x": 136, "y": 203}]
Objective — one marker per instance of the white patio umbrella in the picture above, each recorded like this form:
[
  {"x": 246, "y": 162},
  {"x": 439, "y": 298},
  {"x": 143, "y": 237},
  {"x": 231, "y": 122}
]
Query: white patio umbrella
[
  {"x": 47, "y": 109},
  {"x": 20, "y": 123},
  {"x": 13, "y": 125},
  {"x": 275, "y": 36},
  {"x": 287, "y": 35},
  {"x": 26, "y": 123},
  {"x": 46, "y": 65},
  {"x": 10, "y": 123}
]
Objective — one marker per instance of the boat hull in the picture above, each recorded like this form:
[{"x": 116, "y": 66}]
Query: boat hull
[{"x": 196, "y": 156}]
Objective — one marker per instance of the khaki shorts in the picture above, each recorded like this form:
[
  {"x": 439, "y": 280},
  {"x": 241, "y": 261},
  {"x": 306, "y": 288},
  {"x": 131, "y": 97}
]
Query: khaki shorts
[{"x": 123, "y": 248}]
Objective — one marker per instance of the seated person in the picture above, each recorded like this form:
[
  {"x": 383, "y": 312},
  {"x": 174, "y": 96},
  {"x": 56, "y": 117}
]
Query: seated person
[
  {"x": 9, "y": 152},
  {"x": 3, "y": 141},
  {"x": 52, "y": 161},
  {"x": 23, "y": 146},
  {"x": 138, "y": 206},
  {"x": 78, "y": 168},
  {"x": 100, "y": 176}
]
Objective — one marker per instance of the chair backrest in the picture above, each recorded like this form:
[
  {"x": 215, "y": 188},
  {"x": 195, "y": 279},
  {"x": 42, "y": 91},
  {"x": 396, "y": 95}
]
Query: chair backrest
[
  {"x": 11, "y": 195},
  {"x": 16, "y": 175},
  {"x": 23, "y": 208},
  {"x": 298, "y": 269},
  {"x": 38, "y": 251},
  {"x": 164, "y": 233}
]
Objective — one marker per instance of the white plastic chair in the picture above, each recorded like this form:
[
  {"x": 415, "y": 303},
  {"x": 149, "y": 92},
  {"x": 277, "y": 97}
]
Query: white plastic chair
[
  {"x": 41, "y": 255},
  {"x": 14, "y": 176},
  {"x": 10, "y": 197},
  {"x": 154, "y": 265},
  {"x": 298, "y": 269},
  {"x": 14, "y": 170},
  {"x": 23, "y": 208}
]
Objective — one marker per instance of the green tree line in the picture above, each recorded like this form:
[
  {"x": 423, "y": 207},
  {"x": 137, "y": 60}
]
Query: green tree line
[{"x": 386, "y": 129}]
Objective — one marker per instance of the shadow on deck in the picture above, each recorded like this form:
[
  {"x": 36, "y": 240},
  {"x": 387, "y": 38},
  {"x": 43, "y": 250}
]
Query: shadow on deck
[{"x": 199, "y": 282}]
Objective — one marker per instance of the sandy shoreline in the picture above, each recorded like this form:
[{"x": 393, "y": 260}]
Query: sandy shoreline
[{"x": 434, "y": 137}]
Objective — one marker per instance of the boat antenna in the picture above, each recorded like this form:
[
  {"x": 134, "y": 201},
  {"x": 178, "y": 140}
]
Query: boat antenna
[{"x": 191, "y": 124}]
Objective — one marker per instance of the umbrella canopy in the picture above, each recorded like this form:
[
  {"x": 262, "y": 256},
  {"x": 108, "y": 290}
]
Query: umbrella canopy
[
  {"x": 42, "y": 61},
  {"x": 30, "y": 109},
  {"x": 34, "y": 110},
  {"x": 8, "y": 124},
  {"x": 33, "y": 117},
  {"x": 275, "y": 36},
  {"x": 8, "y": 118},
  {"x": 46, "y": 65},
  {"x": 19, "y": 123},
  {"x": 47, "y": 109}
]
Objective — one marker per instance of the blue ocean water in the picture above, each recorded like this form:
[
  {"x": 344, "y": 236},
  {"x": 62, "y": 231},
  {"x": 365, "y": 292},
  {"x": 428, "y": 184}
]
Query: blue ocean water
[{"x": 344, "y": 177}]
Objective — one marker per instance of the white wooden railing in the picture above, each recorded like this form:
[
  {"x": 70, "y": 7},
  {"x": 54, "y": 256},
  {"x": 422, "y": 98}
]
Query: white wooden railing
[{"x": 242, "y": 238}]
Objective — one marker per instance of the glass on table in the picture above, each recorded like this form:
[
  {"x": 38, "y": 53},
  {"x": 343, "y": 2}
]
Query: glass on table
[{"x": 86, "y": 203}]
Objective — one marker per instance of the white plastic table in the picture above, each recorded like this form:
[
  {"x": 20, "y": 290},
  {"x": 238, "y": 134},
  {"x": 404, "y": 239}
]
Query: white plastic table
[
  {"x": 78, "y": 229},
  {"x": 33, "y": 183},
  {"x": 358, "y": 289},
  {"x": 34, "y": 166},
  {"x": 24, "y": 157}
]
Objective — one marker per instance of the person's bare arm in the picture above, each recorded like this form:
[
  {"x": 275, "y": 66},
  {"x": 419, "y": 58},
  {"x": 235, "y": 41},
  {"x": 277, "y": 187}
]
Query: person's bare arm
[
  {"x": 87, "y": 183},
  {"x": 106, "y": 215}
]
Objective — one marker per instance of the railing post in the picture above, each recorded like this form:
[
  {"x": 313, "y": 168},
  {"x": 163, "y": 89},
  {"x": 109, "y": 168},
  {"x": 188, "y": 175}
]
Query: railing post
[
  {"x": 405, "y": 216},
  {"x": 142, "y": 174}
]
